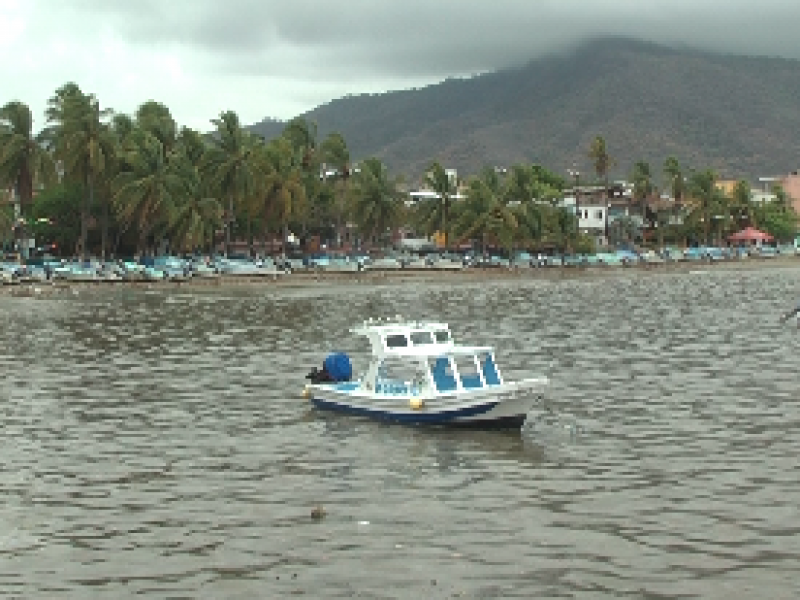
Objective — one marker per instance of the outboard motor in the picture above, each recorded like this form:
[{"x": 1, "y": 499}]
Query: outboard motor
[{"x": 336, "y": 368}]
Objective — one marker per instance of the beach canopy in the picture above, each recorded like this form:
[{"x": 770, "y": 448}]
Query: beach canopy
[{"x": 750, "y": 234}]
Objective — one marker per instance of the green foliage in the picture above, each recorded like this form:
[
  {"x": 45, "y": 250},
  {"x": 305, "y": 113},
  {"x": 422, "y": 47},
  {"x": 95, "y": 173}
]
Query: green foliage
[
  {"x": 6, "y": 222},
  {"x": 59, "y": 204},
  {"x": 151, "y": 185},
  {"x": 231, "y": 164},
  {"x": 283, "y": 197},
  {"x": 585, "y": 244},
  {"x": 777, "y": 221},
  {"x": 23, "y": 159},
  {"x": 375, "y": 201},
  {"x": 438, "y": 213},
  {"x": 601, "y": 160},
  {"x": 145, "y": 178},
  {"x": 84, "y": 144},
  {"x": 642, "y": 179},
  {"x": 484, "y": 214}
]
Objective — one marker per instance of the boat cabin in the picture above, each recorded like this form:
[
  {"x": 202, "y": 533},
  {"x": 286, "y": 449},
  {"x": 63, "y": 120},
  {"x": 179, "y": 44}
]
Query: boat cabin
[{"x": 413, "y": 358}]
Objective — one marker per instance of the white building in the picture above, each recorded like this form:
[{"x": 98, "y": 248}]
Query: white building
[{"x": 591, "y": 217}]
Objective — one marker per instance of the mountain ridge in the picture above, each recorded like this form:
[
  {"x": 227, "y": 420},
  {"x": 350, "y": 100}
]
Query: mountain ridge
[{"x": 736, "y": 114}]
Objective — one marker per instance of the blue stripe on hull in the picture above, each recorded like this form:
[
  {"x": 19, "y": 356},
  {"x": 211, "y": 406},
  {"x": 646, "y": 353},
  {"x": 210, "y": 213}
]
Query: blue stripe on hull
[{"x": 453, "y": 417}]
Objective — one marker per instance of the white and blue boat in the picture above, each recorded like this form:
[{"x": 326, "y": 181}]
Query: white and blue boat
[{"x": 419, "y": 375}]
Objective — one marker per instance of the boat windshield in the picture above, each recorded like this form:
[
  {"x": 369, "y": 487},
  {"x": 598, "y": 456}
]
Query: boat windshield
[
  {"x": 396, "y": 341},
  {"x": 420, "y": 338},
  {"x": 468, "y": 371},
  {"x": 442, "y": 336},
  {"x": 395, "y": 376}
]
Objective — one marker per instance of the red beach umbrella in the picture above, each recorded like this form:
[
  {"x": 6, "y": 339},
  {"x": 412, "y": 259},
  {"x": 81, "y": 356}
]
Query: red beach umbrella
[{"x": 750, "y": 234}]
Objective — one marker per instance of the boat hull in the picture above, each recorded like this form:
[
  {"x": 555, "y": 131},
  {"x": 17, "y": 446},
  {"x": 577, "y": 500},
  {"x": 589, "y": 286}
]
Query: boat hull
[{"x": 507, "y": 406}]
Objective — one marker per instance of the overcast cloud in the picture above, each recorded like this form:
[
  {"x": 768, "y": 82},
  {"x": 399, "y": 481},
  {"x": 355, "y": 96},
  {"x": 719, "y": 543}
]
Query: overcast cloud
[{"x": 269, "y": 58}]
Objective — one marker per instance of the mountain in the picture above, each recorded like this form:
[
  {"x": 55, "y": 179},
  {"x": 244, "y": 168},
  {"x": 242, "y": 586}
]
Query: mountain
[{"x": 736, "y": 114}]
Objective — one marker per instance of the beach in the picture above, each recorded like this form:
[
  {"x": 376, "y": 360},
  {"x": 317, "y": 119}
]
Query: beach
[{"x": 400, "y": 276}]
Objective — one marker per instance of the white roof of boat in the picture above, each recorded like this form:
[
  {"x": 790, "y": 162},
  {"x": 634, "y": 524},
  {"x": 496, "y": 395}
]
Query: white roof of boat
[
  {"x": 435, "y": 350},
  {"x": 397, "y": 326},
  {"x": 379, "y": 331}
]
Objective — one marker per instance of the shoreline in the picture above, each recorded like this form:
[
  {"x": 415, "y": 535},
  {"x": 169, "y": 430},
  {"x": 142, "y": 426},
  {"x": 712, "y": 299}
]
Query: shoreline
[{"x": 316, "y": 278}]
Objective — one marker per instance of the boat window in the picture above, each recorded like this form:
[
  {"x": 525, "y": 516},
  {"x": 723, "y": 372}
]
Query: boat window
[
  {"x": 442, "y": 337},
  {"x": 442, "y": 374},
  {"x": 490, "y": 374},
  {"x": 468, "y": 372},
  {"x": 396, "y": 341},
  {"x": 395, "y": 370},
  {"x": 419, "y": 338}
]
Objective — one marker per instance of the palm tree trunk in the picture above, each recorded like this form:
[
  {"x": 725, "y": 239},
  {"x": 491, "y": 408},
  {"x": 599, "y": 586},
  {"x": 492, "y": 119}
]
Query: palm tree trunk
[
  {"x": 605, "y": 194},
  {"x": 104, "y": 232},
  {"x": 338, "y": 210},
  {"x": 228, "y": 225},
  {"x": 445, "y": 210},
  {"x": 88, "y": 201},
  {"x": 644, "y": 221},
  {"x": 144, "y": 233}
]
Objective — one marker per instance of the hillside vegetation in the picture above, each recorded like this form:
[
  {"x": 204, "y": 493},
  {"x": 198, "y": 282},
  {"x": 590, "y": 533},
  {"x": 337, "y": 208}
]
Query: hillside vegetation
[{"x": 738, "y": 115}]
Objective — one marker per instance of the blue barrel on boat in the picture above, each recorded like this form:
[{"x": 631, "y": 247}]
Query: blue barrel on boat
[{"x": 338, "y": 366}]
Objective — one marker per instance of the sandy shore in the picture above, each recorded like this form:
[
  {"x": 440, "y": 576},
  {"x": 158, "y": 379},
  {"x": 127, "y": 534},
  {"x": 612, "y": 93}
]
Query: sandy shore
[{"x": 309, "y": 279}]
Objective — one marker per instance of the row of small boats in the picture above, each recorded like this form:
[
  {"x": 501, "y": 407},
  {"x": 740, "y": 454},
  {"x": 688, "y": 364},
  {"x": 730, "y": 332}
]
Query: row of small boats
[
  {"x": 166, "y": 268},
  {"x": 173, "y": 268}
]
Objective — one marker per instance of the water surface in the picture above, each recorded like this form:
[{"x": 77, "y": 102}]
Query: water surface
[{"x": 155, "y": 445}]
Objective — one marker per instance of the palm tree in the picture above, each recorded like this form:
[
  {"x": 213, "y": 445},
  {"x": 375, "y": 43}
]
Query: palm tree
[
  {"x": 602, "y": 161},
  {"x": 561, "y": 229},
  {"x": 82, "y": 141},
  {"x": 484, "y": 213},
  {"x": 151, "y": 186},
  {"x": 335, "y": 154},
  {"x": 192, "y": 145},
  {"x": 23, "y": 158},
  {"x": 281, "y": 192},
  {"x": 623, "y": 229},
  {"x": 231, "y": 166},
  {"x": 445, "y": 187},
  {"x": 742, "y": 204},
  {"x": 376, "y": 203},
  {"x": 156, "y": 119},
  {"x": 674, "y": 177},
  {"x": 708, "y": 201},
  {"x": 6, "y": 218},
  {"x": 193, "y": 218},
  {"x": 782, "y": 200},
  {"x": 642, "y": 189},
  {"x": 302, "y": 135}
]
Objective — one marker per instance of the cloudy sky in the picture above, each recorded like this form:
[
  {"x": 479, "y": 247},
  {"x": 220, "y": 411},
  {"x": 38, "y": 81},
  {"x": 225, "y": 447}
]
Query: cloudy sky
[{"x": 279, "y": 58}]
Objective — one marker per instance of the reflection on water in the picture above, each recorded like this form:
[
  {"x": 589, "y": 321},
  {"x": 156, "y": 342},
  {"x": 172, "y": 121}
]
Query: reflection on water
[{"x": 156, "y": 445}]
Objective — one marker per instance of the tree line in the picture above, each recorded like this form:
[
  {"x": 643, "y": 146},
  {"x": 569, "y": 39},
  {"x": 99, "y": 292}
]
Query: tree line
[{"x": 109, "y": 183}]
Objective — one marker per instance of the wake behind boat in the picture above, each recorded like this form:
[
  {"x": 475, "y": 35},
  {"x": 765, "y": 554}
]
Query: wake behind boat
[{"x": 418, "y": 374}]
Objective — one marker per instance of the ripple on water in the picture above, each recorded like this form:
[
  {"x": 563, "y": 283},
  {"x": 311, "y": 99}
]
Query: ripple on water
[{"x": 156, "y": 445}]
